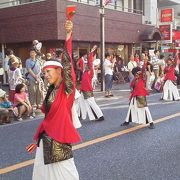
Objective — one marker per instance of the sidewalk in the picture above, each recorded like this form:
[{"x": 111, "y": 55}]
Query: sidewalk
[{"x": 120, "y": 92}]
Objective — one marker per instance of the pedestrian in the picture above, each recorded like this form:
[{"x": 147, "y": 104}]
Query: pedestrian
[
  {"x": 131, "y": 64},
  {"x": 33, "y": 76},
  {"x": 15, "y": 76},
  {"x": 6, "y": 68},
  {"x": 170, "y": 91},
  {"x": 48, "y": 56},
  {"x": 96, "y": 65},
  {"x": 36, "y": 45},
  {"x": 108, "y": 71},
  {"x": 177, "y": 68},
  {"x": 10, "y": 54},
  {"x": 138, "y": 110},
  {"x": 137, "y": 59},
  {"x": 54, "y": 158},
  {"x": 22, "y": 103},
  {"x": 155, "y": 62},
  {"x": 87, "y": 102},
  {"x": 148, "y": 70}
]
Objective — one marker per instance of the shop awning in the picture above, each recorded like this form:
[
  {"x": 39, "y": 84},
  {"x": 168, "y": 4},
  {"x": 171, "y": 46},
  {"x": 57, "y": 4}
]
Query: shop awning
[{"x": 151, "y": 34}]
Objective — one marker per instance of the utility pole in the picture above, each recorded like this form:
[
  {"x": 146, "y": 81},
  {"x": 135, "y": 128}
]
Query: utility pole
[{"x": 102, "y": 41}]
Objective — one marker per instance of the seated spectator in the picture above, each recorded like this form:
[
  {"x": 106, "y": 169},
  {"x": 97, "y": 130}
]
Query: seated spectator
[
  {"x": 118, "y": 70},
  {"x": 21, "y": 101},
  {"x": 5, "y": 108}
]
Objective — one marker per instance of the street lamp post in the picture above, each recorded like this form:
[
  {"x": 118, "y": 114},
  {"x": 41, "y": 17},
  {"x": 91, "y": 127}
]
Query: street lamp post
[{"x": 102, "y": 41}]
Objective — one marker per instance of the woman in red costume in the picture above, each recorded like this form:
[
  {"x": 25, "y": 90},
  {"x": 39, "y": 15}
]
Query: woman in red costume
[
  {"x": 54, "y": 157},
  {"x": 138, "y": 111},
  {"x": 170, "y": 91},
  {"x": 87, "y": 103}
]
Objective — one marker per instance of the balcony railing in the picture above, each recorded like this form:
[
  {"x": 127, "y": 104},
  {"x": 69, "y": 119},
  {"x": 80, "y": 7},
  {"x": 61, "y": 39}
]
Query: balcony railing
[
  {"x": 9, "y": 3},
  {"x": 109, "y": 6}
]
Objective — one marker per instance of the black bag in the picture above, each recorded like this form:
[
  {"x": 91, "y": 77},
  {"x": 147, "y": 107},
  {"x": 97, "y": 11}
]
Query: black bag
[
  {"x": 115, "y": 76},
  {"x": 26, "y": 75}
]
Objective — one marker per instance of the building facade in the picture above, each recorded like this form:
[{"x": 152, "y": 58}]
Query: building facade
[{"x": 127, "y": 28}]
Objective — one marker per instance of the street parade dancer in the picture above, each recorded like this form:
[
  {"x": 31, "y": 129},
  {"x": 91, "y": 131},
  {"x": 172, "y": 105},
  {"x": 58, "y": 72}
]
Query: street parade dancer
[
  {"x": 170, "y": 91},
  {"x": 138, "y": 110},
  {"x": 54, "y": 158},
  {"x": 87, "y": 103}
]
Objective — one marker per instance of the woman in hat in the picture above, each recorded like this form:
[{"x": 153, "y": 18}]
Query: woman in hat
[
  {"x": 14, "y": 77},
  {"x": 54, "y": 158},
  {"x": 170, "y": 91},
  {"x": 138, "y": 110}
]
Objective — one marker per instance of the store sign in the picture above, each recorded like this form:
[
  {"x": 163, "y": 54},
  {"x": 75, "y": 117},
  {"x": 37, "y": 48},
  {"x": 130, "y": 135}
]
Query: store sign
[
  {"x": 167, "y": 15},
  {"x": 176, "y": 35},
  {"x": 166, "y": 31}
]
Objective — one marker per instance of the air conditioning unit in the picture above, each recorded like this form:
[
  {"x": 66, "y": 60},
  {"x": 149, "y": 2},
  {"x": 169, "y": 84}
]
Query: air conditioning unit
[{"x": 148, "y": 22}]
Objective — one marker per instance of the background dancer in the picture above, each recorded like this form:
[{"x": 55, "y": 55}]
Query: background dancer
[
  {"x": 170, "y": 91},
  {"x": 138, "y": 110},
  {"x": 87, "y": 103}
]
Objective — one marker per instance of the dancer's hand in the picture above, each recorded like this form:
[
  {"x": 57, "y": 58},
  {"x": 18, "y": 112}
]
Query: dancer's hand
[{"x": 94, "y": 48}]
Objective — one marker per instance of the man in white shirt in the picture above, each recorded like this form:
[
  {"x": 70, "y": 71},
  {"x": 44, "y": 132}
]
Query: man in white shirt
[
  {"x": 131, "y": 64},
  {"x": 155, "y": 62},
  {"x": 108, "y": 70}
]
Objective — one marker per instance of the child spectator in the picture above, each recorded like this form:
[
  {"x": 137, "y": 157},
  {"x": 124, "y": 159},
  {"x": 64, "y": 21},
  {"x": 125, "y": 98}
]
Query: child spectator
[
  {"x": 5, "y": 108},
  {"x": 14, "y": 76},
  {"x": 21, "y": 101}
]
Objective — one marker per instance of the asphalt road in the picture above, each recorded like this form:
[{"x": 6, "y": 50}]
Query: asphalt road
[{"x": 125, "y": 154}]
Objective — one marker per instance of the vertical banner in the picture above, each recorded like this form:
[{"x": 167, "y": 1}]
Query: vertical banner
[
  {"x": 166, "y": 31},
  {"x": 167, "y": 15}
]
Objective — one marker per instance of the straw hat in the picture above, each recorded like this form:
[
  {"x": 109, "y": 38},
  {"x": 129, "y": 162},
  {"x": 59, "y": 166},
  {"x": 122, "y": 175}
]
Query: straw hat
[
  {"x": 14, "y": 59},
  {"x": 2, "y": 93}
]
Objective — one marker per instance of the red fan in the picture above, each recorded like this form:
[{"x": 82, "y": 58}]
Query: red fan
[
  {"x": 31, "y": 147},
  {"x": 70, "y": 11}
]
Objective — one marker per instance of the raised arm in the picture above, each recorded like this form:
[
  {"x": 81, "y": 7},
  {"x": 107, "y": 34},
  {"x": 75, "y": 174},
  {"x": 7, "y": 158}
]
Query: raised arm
[
  {"x": 69, "y": 74},
  {"x": 69, "y": 28}
]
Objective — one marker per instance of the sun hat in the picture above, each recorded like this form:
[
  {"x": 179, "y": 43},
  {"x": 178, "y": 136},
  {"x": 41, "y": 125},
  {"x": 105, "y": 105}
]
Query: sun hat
[{"x": 2, "y": 93}]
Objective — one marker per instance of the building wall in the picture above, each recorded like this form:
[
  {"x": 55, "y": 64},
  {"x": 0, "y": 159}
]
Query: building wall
[
  {"x": 119, "y": 26},
  {"x": 45, "y": 21},
  {"x": 150, "y": 11},
  {"x": 26, "y": 22}
]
